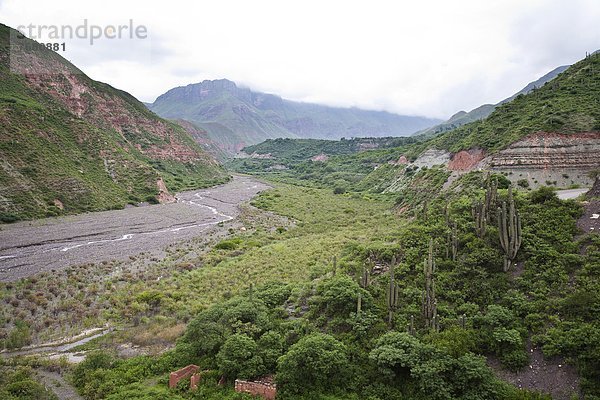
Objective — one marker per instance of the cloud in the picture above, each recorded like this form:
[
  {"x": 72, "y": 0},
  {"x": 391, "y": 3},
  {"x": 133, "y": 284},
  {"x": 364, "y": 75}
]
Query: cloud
[{"x": 428, "y": 58}]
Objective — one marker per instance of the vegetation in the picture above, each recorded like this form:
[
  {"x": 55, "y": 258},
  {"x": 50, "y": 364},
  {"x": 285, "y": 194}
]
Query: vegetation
[
  {"x": 21, "y": 384},
  {"x": 300, "y": 320}
]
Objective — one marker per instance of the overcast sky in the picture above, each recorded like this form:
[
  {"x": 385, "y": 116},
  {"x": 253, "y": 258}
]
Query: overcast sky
[{"x": 418, "y": 57}]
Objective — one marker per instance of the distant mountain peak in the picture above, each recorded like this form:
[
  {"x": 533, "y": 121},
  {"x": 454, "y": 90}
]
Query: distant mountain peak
[{"x": 234, "y": 115}]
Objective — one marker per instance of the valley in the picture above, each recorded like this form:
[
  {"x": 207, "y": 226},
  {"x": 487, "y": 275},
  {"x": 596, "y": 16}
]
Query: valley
[{"x": 320, "y": 252}]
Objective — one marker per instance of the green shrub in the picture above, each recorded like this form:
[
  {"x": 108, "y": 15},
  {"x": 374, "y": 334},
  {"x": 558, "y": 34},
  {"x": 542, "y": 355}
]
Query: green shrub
[{"x": 318, "y": 362}]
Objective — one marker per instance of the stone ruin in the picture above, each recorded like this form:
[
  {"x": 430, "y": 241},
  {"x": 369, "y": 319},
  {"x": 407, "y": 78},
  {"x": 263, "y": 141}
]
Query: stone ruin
[
  {"x": 190, "y": 370},
  {"x": 264, "y": 387}
]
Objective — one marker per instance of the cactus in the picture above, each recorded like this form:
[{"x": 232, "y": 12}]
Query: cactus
[
  {"x": 392, "y": 294},
  {"x": 509, "y": 229},
  {"x": 363, "y": 282},
  {"x": 491, "y": 197},
  {"x": 446, "y": 214},
  {"x": 479, "y": 213},
  {"x": 429, "y": 300},
  {"x": 483, "y": 211},
  {"x": 452, "y": 242}
]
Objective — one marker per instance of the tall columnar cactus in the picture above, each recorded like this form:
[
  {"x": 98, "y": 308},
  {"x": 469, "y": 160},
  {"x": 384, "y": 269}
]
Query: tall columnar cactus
[
  {"x": 429, "y": 300},
  {"x": 454, "y": 241},
  {"x": 483, "y": 212},
  {"x": 480, "y": 217},
  {"x": 392, "y": 294},
  {"x": 509, "y": 229},
  {"x": 447, "y": 214},
  {"x": 363, "y": 282},
  {"x": 491, "y": 198}
]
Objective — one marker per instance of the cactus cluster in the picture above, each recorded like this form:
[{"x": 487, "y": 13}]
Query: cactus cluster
[
  {"x": 509, "y": 230},
  {"x": 429, "y": 300},
  {"x": 483, "y": 211}
]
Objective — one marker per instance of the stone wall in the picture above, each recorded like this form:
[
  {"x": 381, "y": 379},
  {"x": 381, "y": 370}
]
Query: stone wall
[
  {"x": 265, "y": 389},
  {"x": 190, "y": 370}
]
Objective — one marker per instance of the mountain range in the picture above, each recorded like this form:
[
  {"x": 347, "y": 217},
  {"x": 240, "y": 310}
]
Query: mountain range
[{"x": 235, "y": 117}]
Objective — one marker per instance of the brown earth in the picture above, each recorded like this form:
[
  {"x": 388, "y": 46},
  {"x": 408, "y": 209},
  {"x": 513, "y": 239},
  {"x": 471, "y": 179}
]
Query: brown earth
[{"x": 465, "y": 160}]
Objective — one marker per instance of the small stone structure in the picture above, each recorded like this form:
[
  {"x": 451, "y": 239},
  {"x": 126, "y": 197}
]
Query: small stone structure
[
  {"x": 264, "y": 387},
  {"x": 190, "y": 370}
]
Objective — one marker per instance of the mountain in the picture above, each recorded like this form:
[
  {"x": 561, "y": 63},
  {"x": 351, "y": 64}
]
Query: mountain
[
  {"x": 235, "y": 117},
  {"x": 570, "y": 103},
  {"x": 70, "y": 144},
  {"x": 462, "y": 117}
]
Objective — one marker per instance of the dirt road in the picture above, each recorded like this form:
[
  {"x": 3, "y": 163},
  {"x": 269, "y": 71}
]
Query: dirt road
[
  {"x": 55, "y": 243},
  {"x": 571, "y": 193}
]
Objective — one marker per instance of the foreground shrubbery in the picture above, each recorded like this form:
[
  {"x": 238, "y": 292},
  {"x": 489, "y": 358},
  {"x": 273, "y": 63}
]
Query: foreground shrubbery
[{"x": 21, "y": 384}]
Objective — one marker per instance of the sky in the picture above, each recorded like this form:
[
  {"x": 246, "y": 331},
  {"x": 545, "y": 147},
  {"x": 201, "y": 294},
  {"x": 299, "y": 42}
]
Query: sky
[{"x": 425, "y": 57}]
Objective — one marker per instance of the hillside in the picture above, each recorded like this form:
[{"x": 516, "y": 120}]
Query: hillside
[
  {"x": 70, "y": 144},
  {"x": 462, "y": 117},
  {"x": 569, "y": 103},
  {"x": 304, "y": 149},
  {"x": 236, "y": 117}
]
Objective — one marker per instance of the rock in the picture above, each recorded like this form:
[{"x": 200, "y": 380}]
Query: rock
[
  {"x": 432, "y": 157},
  {"x": 163, "y": 193},
  {"x": 465, "y": 160}
]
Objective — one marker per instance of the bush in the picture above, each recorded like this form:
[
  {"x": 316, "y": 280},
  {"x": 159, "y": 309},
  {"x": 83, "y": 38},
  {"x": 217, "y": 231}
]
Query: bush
[
  {"x": 542, "y": 195},
  {"x": 238, "y": 358},
  {"x": 318, "y": 362}
]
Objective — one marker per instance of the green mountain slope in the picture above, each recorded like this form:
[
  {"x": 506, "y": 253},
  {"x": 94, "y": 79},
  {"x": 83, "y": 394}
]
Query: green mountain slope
[
  {"x": 236, "y": 117},
  {"x": 462, "y": 117},
  {"x": 569, "y": 103},
  {"x": 70, "y": 144}
]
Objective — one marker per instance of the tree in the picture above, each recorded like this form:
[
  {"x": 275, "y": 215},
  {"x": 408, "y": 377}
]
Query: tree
[
  {"x": 317, "y": 362},
  {"x": 238, "y": 358}
]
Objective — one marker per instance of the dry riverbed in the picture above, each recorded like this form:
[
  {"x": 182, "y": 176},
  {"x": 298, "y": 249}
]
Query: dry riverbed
[{"x": 27, "y": 248}]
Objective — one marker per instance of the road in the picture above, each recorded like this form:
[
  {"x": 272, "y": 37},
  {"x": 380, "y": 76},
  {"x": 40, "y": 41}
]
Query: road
[
  {"x": 29, "y": 247},
  {"x": 571, "y": 193}
]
